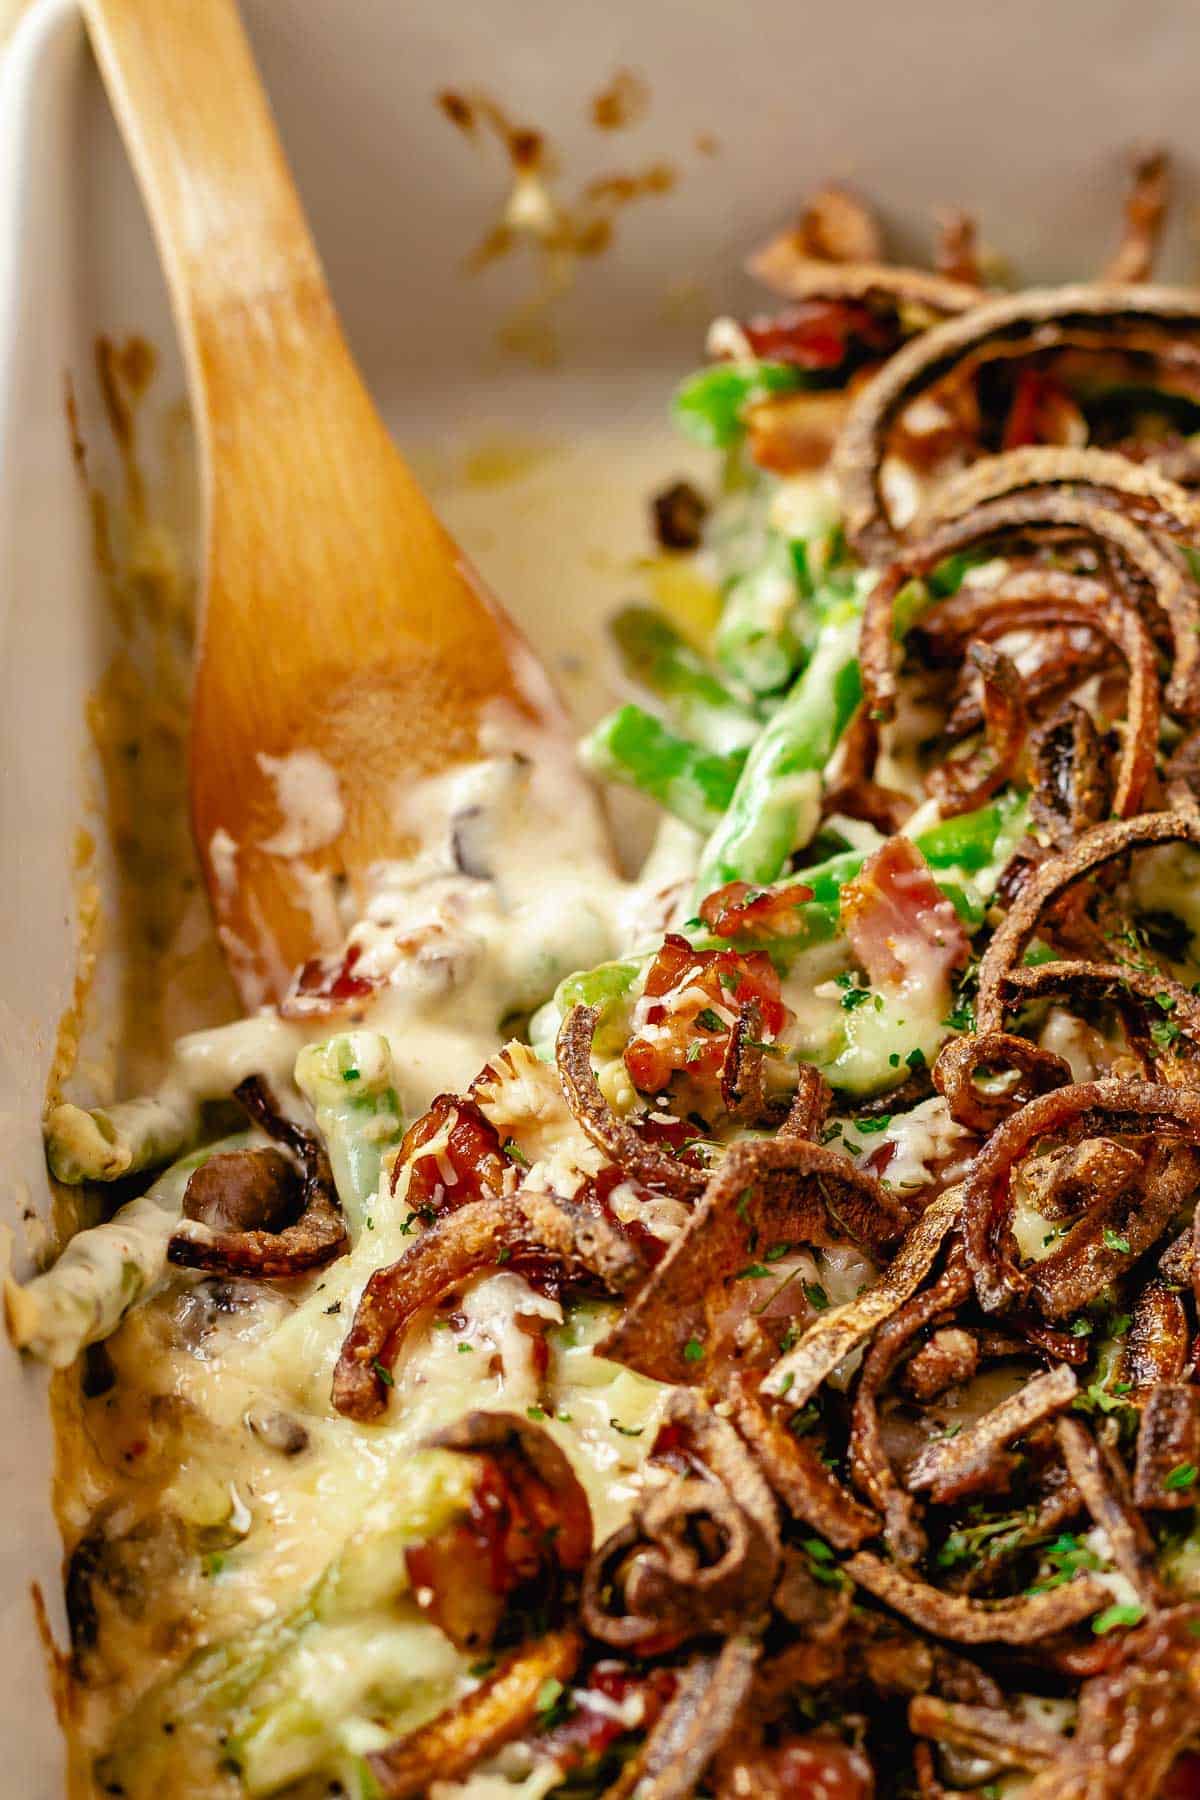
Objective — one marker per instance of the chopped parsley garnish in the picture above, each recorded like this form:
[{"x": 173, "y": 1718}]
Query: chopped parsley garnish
[
  {"x": 383, "y": 1372},
  {"x": 535, "y": 1412},
  {"x": 1067, "y": 1557},
  {"x": 816, "y": 1296},
  {"x": 514, "y": 1152},
  {"x": 212, "y": 1564},
  {"x": 854, "y": 997},
  {"x": 695, "y": 1051},
  {"x": 1114, "y": 1241},
  {"x": 482, "y": 1668},
  {"x": 915, "y": 1059},
  {"x": 693, "y": 1350},
  {"x": 710, "y": 1020},
  {"x": 803, "y": 1421},
  {"x": 774, "y": 1252},
  {"x": 752, "y": 1272},
  {"x": 553, "y": 1702},
  {"x": 1112, "y": 1616},
  {"x": 1081, "y": 1327},
  {"x": 350, "y": 1075},
  {"x": 1182, "y": 1476},
  {"x": 627, "y": 1430},
  {"x": 867, "y": 1126}
]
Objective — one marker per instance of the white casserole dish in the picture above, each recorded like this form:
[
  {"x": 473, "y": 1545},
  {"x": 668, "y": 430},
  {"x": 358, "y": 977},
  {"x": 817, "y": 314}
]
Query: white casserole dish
[{"x": 925, "y": 105}]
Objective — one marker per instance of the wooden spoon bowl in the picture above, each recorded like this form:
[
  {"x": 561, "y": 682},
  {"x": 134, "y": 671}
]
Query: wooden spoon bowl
[{"x": 339, "y": 621}]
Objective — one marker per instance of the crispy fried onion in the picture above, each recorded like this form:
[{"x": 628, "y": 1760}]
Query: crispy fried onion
[
  {"x": 870, "y": 1465},
  {"x": 693, "y": 1726},
  {"x": 700, "y": 1554},
  {"x": 1047, "y": 886},
  {"x": 962, "y": 1060},
  {"x": 964, "y": 782},
  {"x": 1036, "y": 596},
  {"x": 499, "y": 1709},
  {"x": 983, "y": 1731},
  {"x": 1158, "y": 322},
  {"x": 1024, "y": 1619},
  {"x": 1156, "y": 1345},
  {"x": 620, "y": 1142},
  {"x": 1071, "y": 786},
  {"x": 1099, "y": 1474},
  {"x": 1168, "y": 1448},
  {"x": 788, "y": 267},
  {"x": 782, "y": 1192},
  {"x": 1110, "y": 1237},
  {"x": 315, "y": 1237},
  {"x": 1138, "y": 490},
  {"x": 978, "y": 1460},
  {"x": 842, "y": 1329},
  {"x": 1142, "y": 996},
  {"x": 1134, "y": 1719},
  {"x": 1145, "y": 210},
  {"x": 529, "y": 1522},
  {"x": 1080, "y": 625},
  {"x": 807, "y": 1487},
  {"x": 460, "y": 1244}
]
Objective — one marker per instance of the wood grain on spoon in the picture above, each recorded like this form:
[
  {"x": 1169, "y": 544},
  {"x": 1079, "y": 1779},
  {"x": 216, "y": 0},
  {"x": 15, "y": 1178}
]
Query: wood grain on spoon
[{"x": 338, "y": 617}]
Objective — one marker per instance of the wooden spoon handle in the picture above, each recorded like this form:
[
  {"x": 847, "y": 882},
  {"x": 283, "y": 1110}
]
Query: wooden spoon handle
[{"x": 198, "y": 127}]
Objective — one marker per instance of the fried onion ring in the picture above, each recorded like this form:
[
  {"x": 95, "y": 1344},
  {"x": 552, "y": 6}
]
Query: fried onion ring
[
  {"x": 1025, "y": 1619},
  {"x": 1107, "y": 1108},
  {"x": 638, "y": 1160},
  {"x": 788, "y": 1190},
  {"x": 1146, "y": 319},
  {"x": 500, "y": 1709}
]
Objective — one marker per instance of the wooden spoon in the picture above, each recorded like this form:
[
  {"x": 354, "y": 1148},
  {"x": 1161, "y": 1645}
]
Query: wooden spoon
[{"x": 338, "y": 620}]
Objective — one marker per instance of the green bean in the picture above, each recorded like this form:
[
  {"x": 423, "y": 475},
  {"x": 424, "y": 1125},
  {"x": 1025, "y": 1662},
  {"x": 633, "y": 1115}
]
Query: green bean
[
  {"x": 776, "y": 806},
  {"x": 760, "y": 635},
  {"x": 708, "y": 406},
  {"x": 350, "y": 1083},
  {"x": 104, "y": 1270},
  {"x": 632, "y": 747},
  {"x": 653, "y": 653},
  {"x": 107, "y": 1142}
]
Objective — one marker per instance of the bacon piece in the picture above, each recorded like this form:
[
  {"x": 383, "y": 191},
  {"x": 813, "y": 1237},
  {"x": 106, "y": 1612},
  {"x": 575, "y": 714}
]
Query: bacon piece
[
  {"x": 500, "y": 1709},
  {"x": 328, "y": 984},
  {"x": 820, "y": 335},
  {"x": 467, "y": 1165},
  {"x": 685, "y": 1015},
  {"x": 764, "y": 1194},
  {"x": 901, "y": 927},
  {"x": 316, "y": 1237},
  {"x": 1025, "y": 1619},
  {"x": 529, "y": 1522},
  {"x": 737, "y": 910},
  {"x": 798, "y": 1768},
  {"x": 1168, "y": 1448}
]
